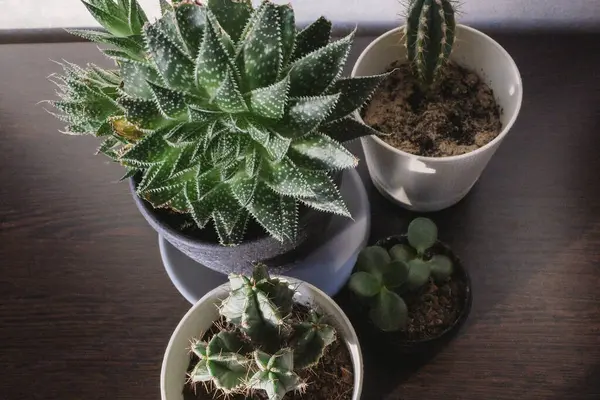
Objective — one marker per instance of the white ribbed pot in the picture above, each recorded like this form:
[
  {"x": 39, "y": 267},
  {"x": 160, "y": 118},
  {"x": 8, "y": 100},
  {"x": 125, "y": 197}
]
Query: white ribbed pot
[
  {"x": 433, "y": 183},
  {"x": 202, "y": 315}
]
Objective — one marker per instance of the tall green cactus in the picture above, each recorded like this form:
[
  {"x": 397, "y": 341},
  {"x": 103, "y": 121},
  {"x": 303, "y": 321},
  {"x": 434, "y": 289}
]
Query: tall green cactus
[
  {"x": 265, "y": 344},
  {"x": 429, "y": 35}
]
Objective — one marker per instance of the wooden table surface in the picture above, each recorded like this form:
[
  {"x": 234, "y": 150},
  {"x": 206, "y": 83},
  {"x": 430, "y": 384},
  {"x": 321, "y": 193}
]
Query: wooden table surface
[{"x": 86, "y": 308}]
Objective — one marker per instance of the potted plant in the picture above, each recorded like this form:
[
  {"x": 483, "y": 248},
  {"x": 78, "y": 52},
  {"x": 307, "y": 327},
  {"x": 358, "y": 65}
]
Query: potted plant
[
  {"x": 263, "y": 337},
  {"x": 409, "y": 291},
  {"x": 228, "y": 121},
  {"x": 453, "y": 97}
]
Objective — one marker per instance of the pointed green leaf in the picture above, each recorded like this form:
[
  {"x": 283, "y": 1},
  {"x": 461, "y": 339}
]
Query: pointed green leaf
[
  {"x": 285, "y": 178},
  {"x": 111, "y": 22},
  {"x": 347, "y": 129},
  {"x": 165, "y": 7},
  {"x": 306, "y": 113},
  {"x": 311, "y": 38},
  {"x": 164, "y": 196},
  {"x": 136, "y": 17},
  {"x": 354, "y": 92},
  {"x": 167, "y": 25},
  {"x": 242, "y": 188},
  {"x": 108, "y": 148},
  {"x": 251, "y": 161},
  {"x": 157, "y": 174},
  {"x": 321, "y": 152},
  {"x": 228, "y": 97},
  {"x": 276, "y": 213},
  {"x": 389, "y": 311},
  {"x": 141, "y": 112},
  {"x": 119, "y": 55},
  {"x": 123, "y": 43},
  {"x": 277, "y": 146},
  {"x": 174, "y": 66},
  {"x": 231, "y": 228},
  {"x": 190, "y": 21},
  {"x": 108, "y": 77},
  {"x": 171, "y": 103},
  {"x": 262, "y": 359},
  {"x": 147, "y": 151},
  {"x": 270, "y": 101},
  {"x": 197, "y": 114},
  {"x": 200, "y": 210},
  {"x": 313, "y": 73},
  {"x": 260, "y": 136},
  {"x": 261, "y": 50},
  {"x": 326, "y": 196},
  {"x": 288, "y": 32},
  {"x": 212, "y": 63},
  {"x": 232, "y": 15},
  {"x": 136, "y": 76}
]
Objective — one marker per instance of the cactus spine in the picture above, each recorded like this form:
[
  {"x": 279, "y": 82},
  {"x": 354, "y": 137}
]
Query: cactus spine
[
  {"x": 429, "y": 35},
  {"x": 265, "y": 345}
]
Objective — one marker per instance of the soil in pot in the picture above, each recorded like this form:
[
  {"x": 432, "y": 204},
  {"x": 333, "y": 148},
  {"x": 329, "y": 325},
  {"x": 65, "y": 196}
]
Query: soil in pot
[
  {"x": 434, "y": 309},
  {"x": 455, "y": 116},
  {"x": 332, "y": 378},
  {"x": 435, "y": 312}
]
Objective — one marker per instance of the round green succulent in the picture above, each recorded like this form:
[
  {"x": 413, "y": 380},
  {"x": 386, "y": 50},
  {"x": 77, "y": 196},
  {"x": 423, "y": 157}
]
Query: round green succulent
[
  {"x": 381, "y": 277},
  {"x": 221, "y": 111}
]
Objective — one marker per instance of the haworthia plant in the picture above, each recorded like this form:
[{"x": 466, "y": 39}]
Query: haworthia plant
[
  {"x": 429, "y": 36},
  {"x": 381, "y": 277},
  {"x": 264, "y": 345},
  {"x": 222, "y": 111}
]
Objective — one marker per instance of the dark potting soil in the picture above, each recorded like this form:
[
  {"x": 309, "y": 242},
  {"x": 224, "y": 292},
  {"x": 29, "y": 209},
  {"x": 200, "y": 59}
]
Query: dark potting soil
[
  {"x": 457, "y": 115},
  {"x": 434, "y": 308},
  {"x": 331, "y": 379}
]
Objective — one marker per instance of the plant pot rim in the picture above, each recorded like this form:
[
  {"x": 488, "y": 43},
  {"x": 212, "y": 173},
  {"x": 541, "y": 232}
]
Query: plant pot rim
[
  {"x": 468, "y": 297},
  {"x": 506, "y": 128},
  {"x": 319, "y": 297}
]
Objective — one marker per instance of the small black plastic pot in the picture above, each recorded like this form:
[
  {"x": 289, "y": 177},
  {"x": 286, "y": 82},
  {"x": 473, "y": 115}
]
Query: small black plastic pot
[
  {"x": 372, "y": 337},
  {"x": 203, "y": 245}
]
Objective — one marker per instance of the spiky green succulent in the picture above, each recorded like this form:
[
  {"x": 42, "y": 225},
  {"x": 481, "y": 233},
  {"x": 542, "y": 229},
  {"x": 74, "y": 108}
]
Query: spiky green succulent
[
  {"x": 382, "y": 276},
  {"x": 265, "y": 344},
  {"x": 221, "y": 111},
  {"x": 429, "y": 35}
]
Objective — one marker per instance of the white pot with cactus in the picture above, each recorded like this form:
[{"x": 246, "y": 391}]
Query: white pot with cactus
[
  {"x": 228, "y": 120},
  {"x": 263, "y": 337},
  {"x": 453, "y": 97}
]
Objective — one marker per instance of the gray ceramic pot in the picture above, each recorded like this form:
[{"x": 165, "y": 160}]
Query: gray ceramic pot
[{"x": 203, "y": 246}]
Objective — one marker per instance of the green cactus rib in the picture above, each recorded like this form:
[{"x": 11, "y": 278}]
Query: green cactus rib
[
  {"x": 264, "y": 344},
  {"x": 222, "y": 111},
  {"x": 429, "y": 35}
]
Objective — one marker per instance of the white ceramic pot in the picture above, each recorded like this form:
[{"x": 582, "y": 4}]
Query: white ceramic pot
[
  {"x": 433, "y": 183},
  {"x": 202, "y": 315}
]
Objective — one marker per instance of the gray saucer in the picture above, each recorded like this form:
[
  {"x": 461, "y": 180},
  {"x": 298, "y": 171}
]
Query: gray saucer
[{"x": 328, "y": 267}]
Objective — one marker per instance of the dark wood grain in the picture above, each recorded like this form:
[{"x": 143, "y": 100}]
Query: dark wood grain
[{"x": 86, "y": 308}]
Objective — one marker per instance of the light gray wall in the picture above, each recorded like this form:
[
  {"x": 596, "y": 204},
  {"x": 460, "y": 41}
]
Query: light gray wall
[{"x": 579, "y": 14}]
